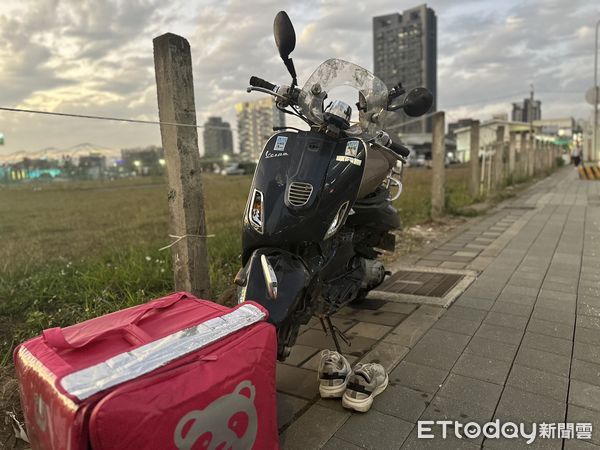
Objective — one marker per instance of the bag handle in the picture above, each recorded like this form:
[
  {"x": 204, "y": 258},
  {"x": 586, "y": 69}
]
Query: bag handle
[{"x": 133, "y": 334}]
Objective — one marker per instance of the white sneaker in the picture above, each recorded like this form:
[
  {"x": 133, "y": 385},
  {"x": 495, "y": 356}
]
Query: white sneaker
[
  {"x": 366, "y": 382},
  {"x": 334, "y": 371}
]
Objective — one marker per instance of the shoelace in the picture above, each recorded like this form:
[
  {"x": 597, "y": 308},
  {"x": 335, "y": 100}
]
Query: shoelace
[
  {"x": 330, "y": 357},
  {"x": 366, "y": 371}
]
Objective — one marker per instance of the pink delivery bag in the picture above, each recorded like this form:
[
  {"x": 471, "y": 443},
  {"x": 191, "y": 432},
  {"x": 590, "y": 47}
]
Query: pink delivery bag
[{"x": 174, "y": 373}]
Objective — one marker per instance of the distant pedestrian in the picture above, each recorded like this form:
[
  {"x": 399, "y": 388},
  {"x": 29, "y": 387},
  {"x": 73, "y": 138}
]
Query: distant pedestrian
[{"x": 576, "y": 156}]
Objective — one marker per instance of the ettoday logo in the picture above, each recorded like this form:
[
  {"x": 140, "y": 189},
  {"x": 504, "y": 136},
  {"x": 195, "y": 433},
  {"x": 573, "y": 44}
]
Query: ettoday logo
[{"x": 426, "y": 429}]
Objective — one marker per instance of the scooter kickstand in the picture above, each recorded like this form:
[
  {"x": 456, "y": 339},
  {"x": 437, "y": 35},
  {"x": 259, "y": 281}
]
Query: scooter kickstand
[{"x": 335, "y": 331}]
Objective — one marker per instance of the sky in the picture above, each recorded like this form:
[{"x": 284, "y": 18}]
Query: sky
[{"x": 95, "y": 57}]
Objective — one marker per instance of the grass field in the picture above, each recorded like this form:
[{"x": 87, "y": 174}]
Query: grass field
[{"x": 72, "y": 251}]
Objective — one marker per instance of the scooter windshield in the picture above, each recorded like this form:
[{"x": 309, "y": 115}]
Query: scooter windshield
[{"x": 373, "y": 95}]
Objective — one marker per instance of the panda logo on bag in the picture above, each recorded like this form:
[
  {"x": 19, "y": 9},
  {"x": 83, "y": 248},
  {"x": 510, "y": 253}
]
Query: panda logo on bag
[{"x": 228, "y": 422}]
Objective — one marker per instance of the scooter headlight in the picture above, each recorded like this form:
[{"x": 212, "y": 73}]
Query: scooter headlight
[
  {"x": 256, "y": 212},
  {"x": 337, "y": 220}
]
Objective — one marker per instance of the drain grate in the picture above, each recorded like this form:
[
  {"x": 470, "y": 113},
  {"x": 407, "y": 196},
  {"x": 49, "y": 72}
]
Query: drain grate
[{"x": 428, "y": 284}]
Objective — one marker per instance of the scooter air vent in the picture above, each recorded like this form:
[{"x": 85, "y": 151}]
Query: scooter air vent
[{"x": 299, "y": 193}]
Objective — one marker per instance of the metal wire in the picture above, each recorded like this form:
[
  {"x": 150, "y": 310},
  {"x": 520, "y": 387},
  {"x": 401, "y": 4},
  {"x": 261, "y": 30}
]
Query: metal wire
[{"x": 114, "y": 119}]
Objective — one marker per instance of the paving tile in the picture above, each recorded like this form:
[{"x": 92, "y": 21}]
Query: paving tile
[
  {"x": 577, "y": 444},
  {"x": 585, "y": 371},
  {"x": 517, "y": 299},
  {"x": 400, "y": 308},
  {"x": 438, "y": 348},
  {"x": 287, "y": 407},
  {"x": 550, "y": 328},
  {"x": 547, "y": 343},
  {"x": 552, "y": 315},
  {"x": 451, "y": 442},
  {"x": 577, "y": 414},
  {"x": 506, "y": 320},
  {"x": 365, "y": 315},
  {"x": 445, "y": 408},
  {"x": 465, "y": 313},
  {"x": 418, "y": 377},
  {"x": 471, "y": 390},
  {"x": 341, "y": 323},
  {"x": 476, "y": 303},
  {"x": 318, "y": 339},
  {"x": 339, "y": 444},
  {"x": 374, "y": 431},
  {"x": 368, "y": 330},
  {"x": 587, "y": 352},
  {"x": 386, "y": 354},
  {"x": 585, "y": 395},
  {"x": 512, "y": 308},
  {"x": 587, "y": 335},
  {"x": 500, "y": 334},
  {"x": 299, "y": 354},
  {"x": 297, "y": 381},
  {"x": 402, "y": 402},
  {"x": 538, "y": 382},
  {"x": 544, "y": 361},
  {"x": 486, "y": 369},
  {"x": 522, "y": 406},
  {"x": 588, "y": 322},
  {"x": 313, "y": 429},
  {"x": 412, "y": 329},
  {"x": 456, "y": 325},
  {"x": 491, "y": 349}
]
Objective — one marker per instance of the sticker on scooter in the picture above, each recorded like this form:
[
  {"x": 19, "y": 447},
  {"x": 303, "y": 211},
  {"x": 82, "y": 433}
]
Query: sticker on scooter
[
  {"x": 352, "y": 149},
  {"x": 280, "y": 143},
  {"x": 278, "y": 149},
  {"x": 231, "y": 421},
  {"x": 351, "y": 153}
]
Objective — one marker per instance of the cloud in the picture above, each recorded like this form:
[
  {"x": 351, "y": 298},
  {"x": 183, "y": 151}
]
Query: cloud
[{"x": 95, "y": 57}]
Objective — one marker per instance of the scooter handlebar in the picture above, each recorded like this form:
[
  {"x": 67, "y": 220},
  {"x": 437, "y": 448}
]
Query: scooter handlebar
[
  {"x": 399, "y": 149},
  {"x": 259, "y": 82}
]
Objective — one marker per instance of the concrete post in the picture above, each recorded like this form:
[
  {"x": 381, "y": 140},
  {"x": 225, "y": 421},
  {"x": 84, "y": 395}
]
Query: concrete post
[
  {"x": 512, "y": 153},
  {"x": 474, "y": 162},
  {"x": 531, "y": 155},
  {"x": 523, "y": 154},
  {"x": 498, "y": 157},
  {"x": 438, "y": 156},
  {"x": 175, "y": 88}
]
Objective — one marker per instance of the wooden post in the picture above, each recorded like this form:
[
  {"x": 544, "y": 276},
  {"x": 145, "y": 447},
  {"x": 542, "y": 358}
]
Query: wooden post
[
  {"x": 175, "y": 88},
  {"x": 512, "y": 153},
  {"x": 498, "y": 157},
  {"x": 474, "y": 159},
  {"x": 438, "y": 157}
]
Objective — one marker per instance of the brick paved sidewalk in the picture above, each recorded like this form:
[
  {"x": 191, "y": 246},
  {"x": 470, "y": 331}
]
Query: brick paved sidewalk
[{"x": 521, "y": 344}]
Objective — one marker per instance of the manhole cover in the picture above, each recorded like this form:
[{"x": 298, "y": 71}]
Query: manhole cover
[{"x": 428, "y": 284}]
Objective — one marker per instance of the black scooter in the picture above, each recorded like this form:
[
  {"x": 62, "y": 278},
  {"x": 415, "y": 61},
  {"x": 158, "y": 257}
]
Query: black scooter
[{"x": 319, "y": 205}]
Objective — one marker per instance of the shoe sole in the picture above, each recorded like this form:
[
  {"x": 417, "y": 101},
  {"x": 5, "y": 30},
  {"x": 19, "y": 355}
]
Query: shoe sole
[
  {"x": 333, "y": 391},
  {"x": 365, "y": 404}
]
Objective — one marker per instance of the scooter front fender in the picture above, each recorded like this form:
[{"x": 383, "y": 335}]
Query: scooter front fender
[{"x": 291, "y": 278}]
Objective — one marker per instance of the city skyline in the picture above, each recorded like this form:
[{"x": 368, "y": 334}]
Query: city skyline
[{"x": 66, "y": 56}]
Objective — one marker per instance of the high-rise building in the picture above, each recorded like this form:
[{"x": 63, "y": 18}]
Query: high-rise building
[
  {"x": 255, "y": 125},
  {"x": 405, "y": 51},
  {"x": 218, "y": 139},
  {"x": 520, "y": 111}
]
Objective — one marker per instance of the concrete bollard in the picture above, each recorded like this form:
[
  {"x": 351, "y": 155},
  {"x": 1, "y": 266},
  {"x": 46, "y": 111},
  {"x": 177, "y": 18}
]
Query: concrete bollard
[
  {"x": 474, "y": 159},
  {"x": 438, "y": 157}
]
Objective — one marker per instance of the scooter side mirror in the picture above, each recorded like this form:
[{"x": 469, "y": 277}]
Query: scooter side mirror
[
  {"x": 285, "y": 36},
  {"x": 417, "y": 102}
]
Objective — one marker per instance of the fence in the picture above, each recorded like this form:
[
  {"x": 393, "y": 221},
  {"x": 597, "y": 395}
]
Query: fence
[{"x": 493, "y": 166}]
